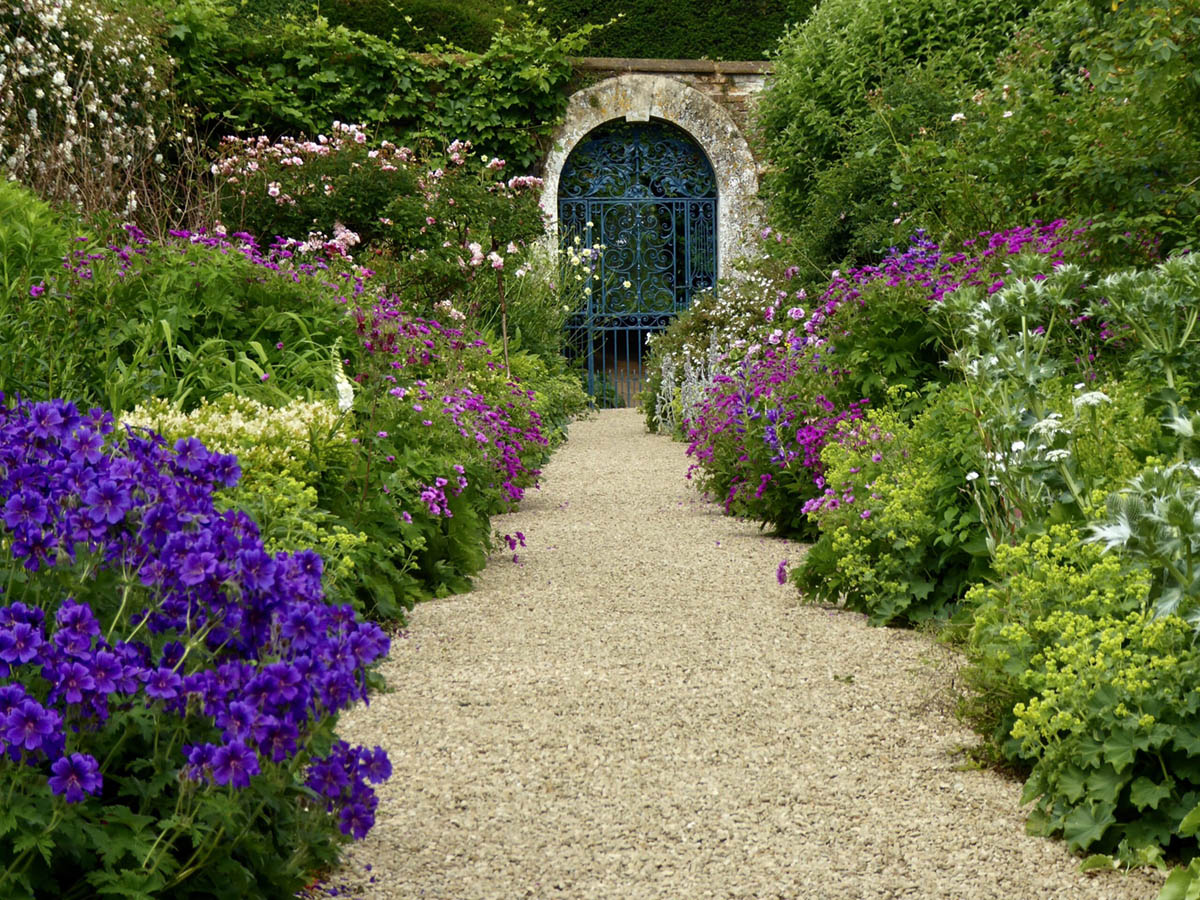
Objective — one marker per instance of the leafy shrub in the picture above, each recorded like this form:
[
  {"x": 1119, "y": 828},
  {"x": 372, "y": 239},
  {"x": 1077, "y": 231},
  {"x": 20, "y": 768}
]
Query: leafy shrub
[
  {"x": 202, "y": 314},
  {"x": 413, "y": 24},
  {"x": 900, "y": 539},
  {"x": 170, "y": 689},
  {"x": 83, "y": 87},
  {"x": 299, "y": 76},
  {"x": 293, "y": 188},
  {"x": 1010, "y": 625},
  {"x": 1040, "y": 136},
  {"x": 33, "y": 242},
  {"x": 852, "y": 208},
  {"x": 826, "y": 67},
  {"x": 1111, "y": 727}
]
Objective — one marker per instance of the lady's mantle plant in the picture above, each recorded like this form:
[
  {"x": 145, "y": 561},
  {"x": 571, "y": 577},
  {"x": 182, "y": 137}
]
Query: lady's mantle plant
[{"x": 168, "y": 689}]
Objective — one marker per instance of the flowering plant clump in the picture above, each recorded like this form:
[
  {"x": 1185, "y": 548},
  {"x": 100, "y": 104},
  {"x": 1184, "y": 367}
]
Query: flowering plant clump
[
  {"x": 293, "y": 185},
  {"x": 82, "y": 98},
  {"x": 1110, "y": 730},
  {"x": 289, "y": 456},
  {"x": 447, "y": 219},
  {"x": 169, "y": 689},
  {"x": 447, "y": 440},
  {"x": 758, "y": 437},
  {"x": 202, "y": 313},
  {"x": 303, "y": 436},
  {"x": 898, "y": 537}
]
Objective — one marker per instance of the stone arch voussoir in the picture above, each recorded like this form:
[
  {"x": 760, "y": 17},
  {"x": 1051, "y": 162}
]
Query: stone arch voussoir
[{"x": 642, "y": 97}]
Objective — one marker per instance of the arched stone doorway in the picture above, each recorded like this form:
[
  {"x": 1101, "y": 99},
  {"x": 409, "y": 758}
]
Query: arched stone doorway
[
  {"x": 705, "y": 223},
  {"x": 645, "y": 196}
]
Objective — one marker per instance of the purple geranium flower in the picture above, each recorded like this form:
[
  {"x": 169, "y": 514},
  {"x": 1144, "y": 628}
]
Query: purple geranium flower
[
  {"x": 19, "y": 643},
  {"x": 234, "y": 763},
  {"x": 30, "y": 724},
  {"x": 164, "y": 684},
  {"x": 75, "y": 776}
]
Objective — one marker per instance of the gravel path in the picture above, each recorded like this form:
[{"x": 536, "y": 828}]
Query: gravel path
[{"x": 637, "y": 710}]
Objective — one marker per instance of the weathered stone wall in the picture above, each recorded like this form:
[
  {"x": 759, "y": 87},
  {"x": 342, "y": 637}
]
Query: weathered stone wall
[
  {"x": 709, "y": 100},
  {"x": 733, "y": 85}
]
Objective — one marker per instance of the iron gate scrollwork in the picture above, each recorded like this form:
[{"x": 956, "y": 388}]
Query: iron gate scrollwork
[{"x": 645, "y": 194}]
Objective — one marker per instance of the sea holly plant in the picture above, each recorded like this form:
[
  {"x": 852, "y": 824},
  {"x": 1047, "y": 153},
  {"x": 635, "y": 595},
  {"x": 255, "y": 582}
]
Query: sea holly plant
[
  {"x": 1155, "y": 522},
  {"x": 168, "y": 689},
  {"x": 1159, "y": 307}
]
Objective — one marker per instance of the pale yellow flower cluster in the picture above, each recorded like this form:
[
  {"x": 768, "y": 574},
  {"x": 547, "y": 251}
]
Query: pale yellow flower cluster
[{"x": 280, "y": 439}]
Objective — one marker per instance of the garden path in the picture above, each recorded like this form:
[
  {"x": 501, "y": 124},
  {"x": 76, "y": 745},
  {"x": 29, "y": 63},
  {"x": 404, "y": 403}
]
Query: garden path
[{"x": 635, "y": 709}]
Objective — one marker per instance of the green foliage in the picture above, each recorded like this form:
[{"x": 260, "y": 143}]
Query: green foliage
[
  {"x": 1049, "y": 109},
  {"x": 1009, "y": 618},
  {"x": 301, "y": 74},
  {"x": 1160, "y": 306},
  {"x": 826, "y": 68},
  {"x": 1111, "y": 730},
  {"x": 1042, "y": 136},
  {"x": 852, "y": 212},
  {"x": 33, "y": 241},
  {"x": 900, "y": 539},
  {"x": 414, "y": 24},
  {"x": 683, "y": 29},
  {"x": 180, "y": 320},
  {"x": 674, "y": 29},
  {"x": 338, "y": 181},
  {"x": 887, "y": 341}
]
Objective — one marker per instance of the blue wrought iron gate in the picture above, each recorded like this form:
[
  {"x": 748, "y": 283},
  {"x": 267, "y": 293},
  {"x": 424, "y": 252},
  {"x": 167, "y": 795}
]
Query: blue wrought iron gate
[{"x": 643, "y": 197}]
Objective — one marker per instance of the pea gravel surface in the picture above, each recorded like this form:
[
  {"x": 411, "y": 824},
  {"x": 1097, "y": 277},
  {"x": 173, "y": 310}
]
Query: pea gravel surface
[{"x": 636, "y": 709}]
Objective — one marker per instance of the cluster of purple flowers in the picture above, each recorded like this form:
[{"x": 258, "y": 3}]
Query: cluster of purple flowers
[
  {"x": 754, "y": 423},
  {"x": 231, "y": 643},
  {"x": 434, "y": 495},
  {"x": 286, "y": 256},
  {"x": 980, "y": 262},
  {"x": 502, "y": 434}
]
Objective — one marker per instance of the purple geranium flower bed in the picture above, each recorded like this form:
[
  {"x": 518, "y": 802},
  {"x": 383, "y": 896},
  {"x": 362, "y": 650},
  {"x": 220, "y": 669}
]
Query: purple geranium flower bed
[{"x": 148, "y": 639}]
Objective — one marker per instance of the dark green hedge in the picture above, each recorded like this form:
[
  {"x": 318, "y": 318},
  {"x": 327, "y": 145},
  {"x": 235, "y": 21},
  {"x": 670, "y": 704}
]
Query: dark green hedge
[
  {"x": 658, "y": 29},
  {"x": 683, "y": 29},
  {"x": 466, "y": 25}
]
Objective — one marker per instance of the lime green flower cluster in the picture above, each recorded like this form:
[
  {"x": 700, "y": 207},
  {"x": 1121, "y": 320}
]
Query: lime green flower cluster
[
  {"x": 1012, "y": 617},
  {"x": 297, "y": 438},
  {"x": 1111, "y": 726}
]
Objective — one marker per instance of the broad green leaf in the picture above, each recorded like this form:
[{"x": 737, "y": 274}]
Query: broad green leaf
[
  {"x": 1122, "y": 746},
  {"x": 1097, "y": 862},
  {"x": 1105, "y": 784},
  {"x": 1090, "y": 751},
  {"x": 1072, "y": 783},
  {"x": 1087, "y": 824},
  {"x": 1191, "y": 823},
  {"x": 1146, "y": 793}
]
